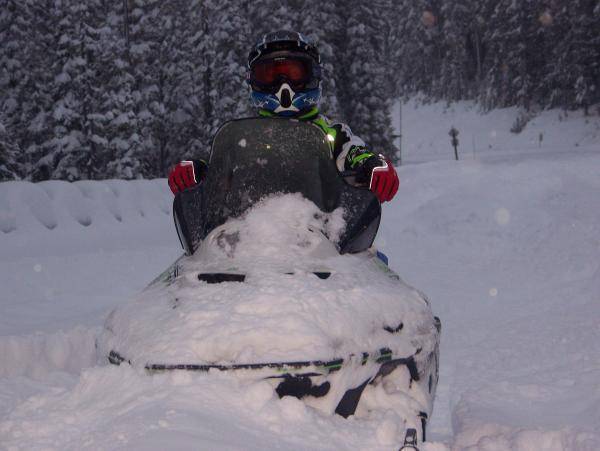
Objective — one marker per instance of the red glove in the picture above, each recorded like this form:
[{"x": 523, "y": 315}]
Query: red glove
[
  {"x": 384, "y": 180},
  {"x": 186, "y": 174}
]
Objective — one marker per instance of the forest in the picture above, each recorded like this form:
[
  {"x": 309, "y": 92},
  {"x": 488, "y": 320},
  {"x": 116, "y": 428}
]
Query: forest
[{"x": 124, "y": 88}]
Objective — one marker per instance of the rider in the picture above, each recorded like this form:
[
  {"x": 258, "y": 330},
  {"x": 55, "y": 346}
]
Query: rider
[{"x": 284, "y": 74}]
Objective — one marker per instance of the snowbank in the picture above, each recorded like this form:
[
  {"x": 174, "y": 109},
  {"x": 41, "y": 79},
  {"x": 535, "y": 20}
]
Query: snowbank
[
  {"x": 36, "y": 356},
  {"x": 30, "y": 206},
  {"x": 44, "y": 217}
]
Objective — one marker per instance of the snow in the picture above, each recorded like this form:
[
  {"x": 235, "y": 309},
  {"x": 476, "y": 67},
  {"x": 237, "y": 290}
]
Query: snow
[
  {"x": 505, "y": 242},
  {"x": 282, "y": 311},
  {"x": 518, "y": 297},
  {"x": 486, "y": 136},
  {"x": 60, "y": 242}
]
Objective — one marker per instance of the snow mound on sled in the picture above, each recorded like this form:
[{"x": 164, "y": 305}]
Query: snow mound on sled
[{"x": 282, "y": 311}]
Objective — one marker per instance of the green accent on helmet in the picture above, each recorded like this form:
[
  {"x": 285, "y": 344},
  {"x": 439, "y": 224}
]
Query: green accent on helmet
[
  {"x": 266, "y": 113},
  {"x": 314, "y": 111}
]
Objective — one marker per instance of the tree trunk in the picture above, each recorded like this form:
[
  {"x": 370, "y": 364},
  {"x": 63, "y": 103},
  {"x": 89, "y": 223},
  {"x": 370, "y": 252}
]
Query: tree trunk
[{"x": 126, "y": 29}]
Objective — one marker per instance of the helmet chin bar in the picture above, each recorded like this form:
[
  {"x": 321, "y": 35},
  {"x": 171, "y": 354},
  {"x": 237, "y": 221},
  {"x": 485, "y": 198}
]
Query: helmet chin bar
[{"x": 285, "y": 96}]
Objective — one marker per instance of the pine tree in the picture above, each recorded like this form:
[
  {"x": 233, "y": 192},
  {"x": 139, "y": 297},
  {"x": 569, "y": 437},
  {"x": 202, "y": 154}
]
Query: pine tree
[
  {"x": 520, "y": 55},
  {"x": 8, "y": 156},
  {"x": 365, "y": 89},
  {"x": 271, "y": 15},
  {"x": 230, "y": 41},
  {"x": 420, "y": 48},
  {"x": 461, "y": 64},
  {"x": 8, "y": 84},
  {"x": 323, "y": 26},
  {"x": 75, "y": 151},
  {"x": 158, "y": 35},
  {"x": 574, "y": 75},
  {"x": 25, "y": 83},
  {"x": 119, "y": 99}
]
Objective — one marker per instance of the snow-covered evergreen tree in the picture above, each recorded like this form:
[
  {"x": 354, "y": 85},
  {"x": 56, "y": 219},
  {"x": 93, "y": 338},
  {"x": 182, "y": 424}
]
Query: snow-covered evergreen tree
[
  {"x": 25, "y": 83},
  {"x": 271, "y": 15},
  {"x": 158, "y": 35},
  {"x": 75, "y": 150},
  {"x": 461, "y": 63},
  {"x": 365, "y": 94},
  {"x": 323, "y": 26},
  {"x": 8, "y": 156},
  {"x": 229, "y": 37},
  {"x": 120, "y": 100},
  {"x": 420, "y": 50},
  {"x": 519, "y": 55},
  {"x": 8, "y": 107},
  {"x": 574, "y": 76}
]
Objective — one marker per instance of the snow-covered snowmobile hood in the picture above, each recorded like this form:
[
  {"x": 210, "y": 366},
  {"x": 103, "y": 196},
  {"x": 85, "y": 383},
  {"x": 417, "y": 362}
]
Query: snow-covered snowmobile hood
[{"x": 282, "y": 311}]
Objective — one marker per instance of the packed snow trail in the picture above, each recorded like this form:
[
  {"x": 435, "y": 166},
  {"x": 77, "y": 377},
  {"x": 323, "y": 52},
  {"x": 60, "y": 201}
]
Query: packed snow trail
[{"x": 509, "y": 252}]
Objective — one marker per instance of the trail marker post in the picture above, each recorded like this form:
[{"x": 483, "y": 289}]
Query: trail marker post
[{"x": 454, "y": 140}]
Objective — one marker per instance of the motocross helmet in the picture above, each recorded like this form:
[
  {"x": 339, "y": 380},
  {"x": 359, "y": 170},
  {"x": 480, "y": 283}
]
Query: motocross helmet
[{"x": 284, "y": 73}]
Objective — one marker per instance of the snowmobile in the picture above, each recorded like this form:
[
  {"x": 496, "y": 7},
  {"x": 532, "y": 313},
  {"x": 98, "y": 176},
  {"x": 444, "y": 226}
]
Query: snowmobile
[{"x": 279, "y": 281}]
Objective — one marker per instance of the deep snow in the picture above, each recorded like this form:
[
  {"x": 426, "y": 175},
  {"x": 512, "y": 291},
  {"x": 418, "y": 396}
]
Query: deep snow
[{"x": 506, "y": 243}]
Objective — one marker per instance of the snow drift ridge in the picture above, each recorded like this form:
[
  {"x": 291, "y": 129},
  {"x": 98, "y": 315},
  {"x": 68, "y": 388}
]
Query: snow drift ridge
[{"x": 57, "y": 204}]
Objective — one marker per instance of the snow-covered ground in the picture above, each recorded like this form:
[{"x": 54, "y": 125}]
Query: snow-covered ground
[
  {"x": 506, "y": 243},
  {"x": 425, "y": 132}
]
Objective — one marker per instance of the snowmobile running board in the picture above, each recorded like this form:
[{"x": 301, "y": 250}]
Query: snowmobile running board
[{"x": 385, "y": 356}]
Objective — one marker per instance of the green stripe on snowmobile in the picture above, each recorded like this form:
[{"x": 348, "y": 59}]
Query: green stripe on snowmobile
[
  {"x": 334, "y": 365},
  {"x": 384, "y": 356}
]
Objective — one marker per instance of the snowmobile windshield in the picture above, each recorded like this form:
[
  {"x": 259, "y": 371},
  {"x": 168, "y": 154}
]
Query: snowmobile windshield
[{"x": 254, "y": 158}]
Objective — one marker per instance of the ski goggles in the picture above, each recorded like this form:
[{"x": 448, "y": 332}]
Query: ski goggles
[{"x": 267, "y": 74}]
